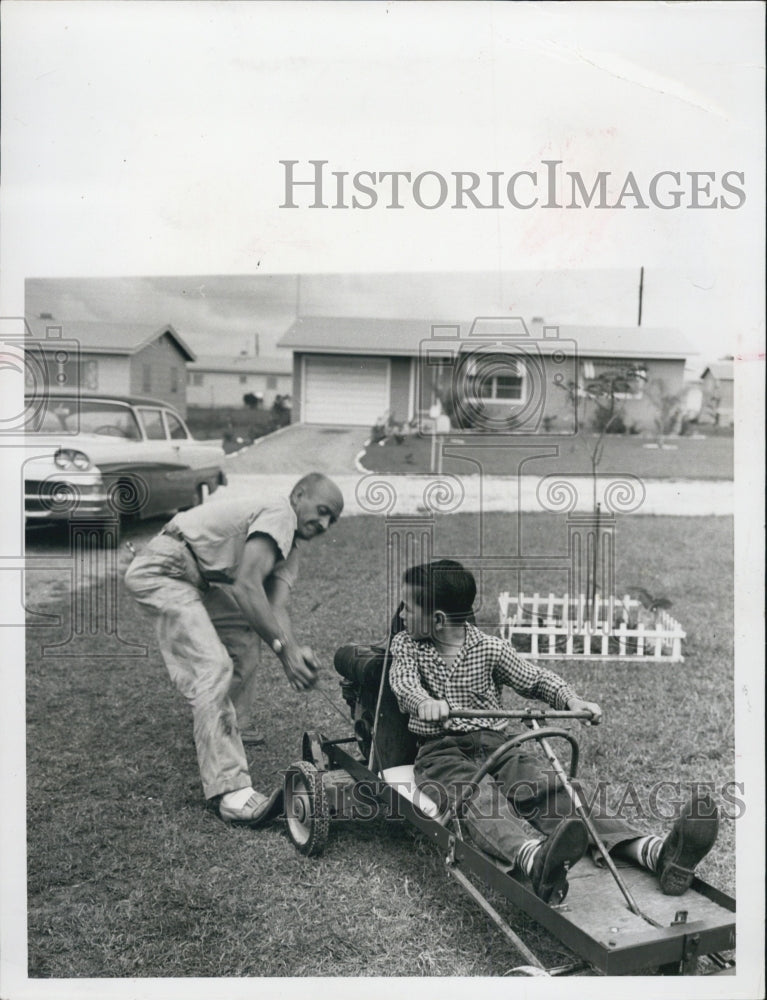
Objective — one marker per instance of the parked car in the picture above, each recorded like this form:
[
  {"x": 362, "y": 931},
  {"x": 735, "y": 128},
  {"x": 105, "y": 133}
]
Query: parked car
[{"x": 112, "y": 458}]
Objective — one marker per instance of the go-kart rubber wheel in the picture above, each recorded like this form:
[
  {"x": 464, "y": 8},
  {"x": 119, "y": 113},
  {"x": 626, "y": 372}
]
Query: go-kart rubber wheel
[{"x": 306, "y": 808}]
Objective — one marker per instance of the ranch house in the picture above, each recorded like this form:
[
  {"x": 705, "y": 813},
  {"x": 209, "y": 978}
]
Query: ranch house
[
  {"x": 486, "y": 373},
  {"x": 109, "y": 358}
]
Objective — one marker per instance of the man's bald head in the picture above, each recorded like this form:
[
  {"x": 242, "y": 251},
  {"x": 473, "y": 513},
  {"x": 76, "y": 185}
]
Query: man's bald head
[{"x": 318, "y": 503}]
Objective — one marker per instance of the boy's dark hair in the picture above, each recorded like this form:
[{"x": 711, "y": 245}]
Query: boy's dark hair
[{"x": 444, "y": 586}]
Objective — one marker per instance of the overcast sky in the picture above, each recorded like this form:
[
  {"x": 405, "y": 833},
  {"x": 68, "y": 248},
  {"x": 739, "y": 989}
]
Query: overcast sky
[{"x": 219, "y": 314}]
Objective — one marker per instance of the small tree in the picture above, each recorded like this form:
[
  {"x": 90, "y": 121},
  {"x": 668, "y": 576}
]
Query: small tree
[
  {"x": 667, "y": 405},
  {"x": 603, "y": 394}
]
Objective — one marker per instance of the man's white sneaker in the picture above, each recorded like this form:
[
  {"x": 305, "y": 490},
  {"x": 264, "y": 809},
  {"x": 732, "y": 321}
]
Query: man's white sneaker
[{"x": 252, "y": 812}]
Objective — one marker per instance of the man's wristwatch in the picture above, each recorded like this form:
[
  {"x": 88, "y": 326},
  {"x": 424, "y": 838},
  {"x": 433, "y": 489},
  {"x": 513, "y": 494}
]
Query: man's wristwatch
[{"x": 277, "y": 646}]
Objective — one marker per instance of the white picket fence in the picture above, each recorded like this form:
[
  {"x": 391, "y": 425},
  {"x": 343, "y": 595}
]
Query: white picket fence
[{"x": 548, "y": 628}]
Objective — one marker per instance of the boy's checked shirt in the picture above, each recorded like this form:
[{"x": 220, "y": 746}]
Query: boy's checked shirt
[{"x": 483, "y": 666}]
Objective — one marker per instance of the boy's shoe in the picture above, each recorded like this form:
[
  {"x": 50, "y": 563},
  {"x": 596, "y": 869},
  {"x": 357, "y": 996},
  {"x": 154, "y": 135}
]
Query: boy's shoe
[
  {"x": 566, "y": 846},
  {"x": 256, "y": 810},
  {"x": 691, "y": 838}
]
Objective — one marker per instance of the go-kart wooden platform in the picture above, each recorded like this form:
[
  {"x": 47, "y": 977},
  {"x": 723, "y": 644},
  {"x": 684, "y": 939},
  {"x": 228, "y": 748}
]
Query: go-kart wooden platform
[{"x": 595, "y": 905}]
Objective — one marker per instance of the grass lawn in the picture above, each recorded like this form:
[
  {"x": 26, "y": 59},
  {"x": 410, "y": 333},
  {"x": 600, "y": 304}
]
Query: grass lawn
[
  {"x": 687, "y": 458},
  {"x": 130, "y": 876}
]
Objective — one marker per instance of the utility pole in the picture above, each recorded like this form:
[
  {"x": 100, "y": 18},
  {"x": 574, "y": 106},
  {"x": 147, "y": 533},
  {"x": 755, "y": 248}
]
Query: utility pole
[{"x": 641, "y": 287}]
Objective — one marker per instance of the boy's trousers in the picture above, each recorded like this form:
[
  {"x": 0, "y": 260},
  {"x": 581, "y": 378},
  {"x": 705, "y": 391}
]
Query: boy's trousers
[
  {"x": 522, "y": 788},
  {"x": 210, "y": 654}
]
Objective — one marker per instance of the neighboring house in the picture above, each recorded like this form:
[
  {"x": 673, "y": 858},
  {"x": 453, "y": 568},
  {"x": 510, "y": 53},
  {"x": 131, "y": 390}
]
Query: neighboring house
[
  {"x": 718, "y": 381},
  {"x": 220, "y": 380},
  {"x": 113, "y": 358},
  {"x": 356, "y": 370}
]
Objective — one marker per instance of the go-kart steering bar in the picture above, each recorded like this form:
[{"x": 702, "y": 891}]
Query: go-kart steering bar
[{"x": 527, "y": 713}]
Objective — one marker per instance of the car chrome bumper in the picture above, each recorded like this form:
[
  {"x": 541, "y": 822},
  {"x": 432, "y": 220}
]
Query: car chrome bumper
[{"x": 61, "y": 499}]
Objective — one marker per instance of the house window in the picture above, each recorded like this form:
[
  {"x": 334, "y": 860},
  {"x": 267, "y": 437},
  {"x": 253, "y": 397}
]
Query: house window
[
  {"x": 502, "y": 387},
  {"x": 243, "y": 379},
  {"x": 496, "y": 377},
  {"x": 174, "y": 380},
  {"x": 146, "y": 378},
  {"x": 271, "y": 381},
  {"x": 624, "y": 378},
  {"x": 195, "y": 378}
]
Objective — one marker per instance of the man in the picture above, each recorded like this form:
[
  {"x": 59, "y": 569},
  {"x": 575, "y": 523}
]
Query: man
[{"x": 216, "y": 577}]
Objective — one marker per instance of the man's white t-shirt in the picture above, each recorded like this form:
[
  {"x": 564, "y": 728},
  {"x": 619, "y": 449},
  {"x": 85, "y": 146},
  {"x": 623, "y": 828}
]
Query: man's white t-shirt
[{"x": 217, "y": 533}]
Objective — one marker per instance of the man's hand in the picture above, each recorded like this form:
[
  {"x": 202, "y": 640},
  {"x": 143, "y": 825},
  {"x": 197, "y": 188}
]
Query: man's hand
[
  {"x": 299, "y": 669},
  {"x": 577, "y": 705},
  {"x": 433, "y": 710},
  {"x": 308, "y": 654}
]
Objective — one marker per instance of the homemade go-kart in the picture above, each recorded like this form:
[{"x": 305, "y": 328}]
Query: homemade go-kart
[{"x": 618, "y": 922}]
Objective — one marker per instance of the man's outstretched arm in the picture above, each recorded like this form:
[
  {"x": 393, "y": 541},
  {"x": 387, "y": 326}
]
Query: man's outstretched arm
[{"x": 248, "y": 590}]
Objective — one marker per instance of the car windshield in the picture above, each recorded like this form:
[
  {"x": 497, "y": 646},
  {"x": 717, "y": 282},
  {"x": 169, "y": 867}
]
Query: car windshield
[{"x": 86, "y": 417}]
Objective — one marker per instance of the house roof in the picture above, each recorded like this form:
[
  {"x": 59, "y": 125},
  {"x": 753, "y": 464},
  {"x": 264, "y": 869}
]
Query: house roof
[
  {"x": 242, "y": 365},
  {"x": 105, "y": 338},
  {"x": 723, "y": 371},
  {"x": 407, "y": 337}
]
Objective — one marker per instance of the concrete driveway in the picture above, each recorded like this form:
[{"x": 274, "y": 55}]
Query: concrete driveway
[{"x": 302, "y": 448}]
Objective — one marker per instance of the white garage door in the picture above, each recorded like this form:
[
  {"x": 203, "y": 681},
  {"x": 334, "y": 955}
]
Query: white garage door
[{"x": 345, "y": 390}]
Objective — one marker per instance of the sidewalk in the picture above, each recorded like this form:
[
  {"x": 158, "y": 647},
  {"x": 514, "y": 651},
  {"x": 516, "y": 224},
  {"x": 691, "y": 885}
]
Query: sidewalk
[{"x": 375, "y": 493}]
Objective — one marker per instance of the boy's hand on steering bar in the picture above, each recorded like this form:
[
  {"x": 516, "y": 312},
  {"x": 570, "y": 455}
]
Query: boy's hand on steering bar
[
  {"x": 577, "y": 705},
  {"x": 433, "y": 710}
]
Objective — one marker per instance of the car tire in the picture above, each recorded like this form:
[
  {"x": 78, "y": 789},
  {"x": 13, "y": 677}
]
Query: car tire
[{"x": 128, "y": 496}]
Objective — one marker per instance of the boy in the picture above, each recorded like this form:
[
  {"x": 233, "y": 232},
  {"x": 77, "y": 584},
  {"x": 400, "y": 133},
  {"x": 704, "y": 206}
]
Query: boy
[{"x": 442, "y": 662}]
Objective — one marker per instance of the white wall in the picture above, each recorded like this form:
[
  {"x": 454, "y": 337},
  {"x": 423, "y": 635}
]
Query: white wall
[
  {"x": 225, "y": 389},
  {"x": 113, "y": 372}
]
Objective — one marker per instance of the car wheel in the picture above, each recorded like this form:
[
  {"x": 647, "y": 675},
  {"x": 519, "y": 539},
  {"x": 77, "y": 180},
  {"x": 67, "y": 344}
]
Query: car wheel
[{"x": 127, "y": 497}]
